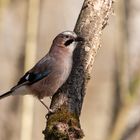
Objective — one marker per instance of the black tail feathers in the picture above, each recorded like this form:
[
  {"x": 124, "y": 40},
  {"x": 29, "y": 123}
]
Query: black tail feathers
[{"x": 5, "y": 95}]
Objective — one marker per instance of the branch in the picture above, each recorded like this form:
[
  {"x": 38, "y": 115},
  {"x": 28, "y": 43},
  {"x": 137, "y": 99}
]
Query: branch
[{"x": 67, "y": 103}]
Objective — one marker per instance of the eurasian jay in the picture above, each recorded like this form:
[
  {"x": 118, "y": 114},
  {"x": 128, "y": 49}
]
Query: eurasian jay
[{"x": 51, "y": 72}]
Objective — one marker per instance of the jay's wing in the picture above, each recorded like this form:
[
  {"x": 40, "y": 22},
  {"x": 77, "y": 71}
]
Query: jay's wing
[
  {"x": 41, "y": 70},
  {"x": 32, "y": 77}
]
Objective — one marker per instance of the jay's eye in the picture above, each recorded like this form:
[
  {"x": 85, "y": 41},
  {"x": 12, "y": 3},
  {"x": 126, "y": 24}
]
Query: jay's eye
[
  {"x": 67, "y": 36},
  {"x": 68, "y": 42}
]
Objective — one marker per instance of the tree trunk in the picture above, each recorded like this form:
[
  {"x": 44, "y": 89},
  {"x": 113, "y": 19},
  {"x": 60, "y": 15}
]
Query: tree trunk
[{"x": 67, "y": 103}]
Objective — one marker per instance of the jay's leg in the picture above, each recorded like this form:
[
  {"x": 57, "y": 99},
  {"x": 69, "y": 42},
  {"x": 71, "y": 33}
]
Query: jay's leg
[{"x": 49, "y": 110}]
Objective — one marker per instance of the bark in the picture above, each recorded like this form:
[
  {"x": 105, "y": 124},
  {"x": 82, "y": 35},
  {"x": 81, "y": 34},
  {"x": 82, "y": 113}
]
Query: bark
[{"x": 67, "y": 103}]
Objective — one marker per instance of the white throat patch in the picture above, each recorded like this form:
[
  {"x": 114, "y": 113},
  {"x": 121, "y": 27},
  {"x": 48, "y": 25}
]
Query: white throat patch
[{"x": 72, "y": 46}]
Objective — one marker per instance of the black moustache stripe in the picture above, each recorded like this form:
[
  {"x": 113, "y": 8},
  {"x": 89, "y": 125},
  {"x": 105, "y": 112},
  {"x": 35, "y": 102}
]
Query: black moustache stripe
[{"x": 68, "y": 42}]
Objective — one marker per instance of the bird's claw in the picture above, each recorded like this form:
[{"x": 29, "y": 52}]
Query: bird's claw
[{"x": 50, "y": 111}]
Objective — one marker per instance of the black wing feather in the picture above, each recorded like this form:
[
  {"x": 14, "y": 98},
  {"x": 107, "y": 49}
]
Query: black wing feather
[
  {"x": 33, "y": 77},
  {"x": 23, "y": 79}
]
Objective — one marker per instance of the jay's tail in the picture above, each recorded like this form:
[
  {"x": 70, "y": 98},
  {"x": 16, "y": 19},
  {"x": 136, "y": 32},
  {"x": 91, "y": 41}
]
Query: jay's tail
[{"x": 5, "y": 95}]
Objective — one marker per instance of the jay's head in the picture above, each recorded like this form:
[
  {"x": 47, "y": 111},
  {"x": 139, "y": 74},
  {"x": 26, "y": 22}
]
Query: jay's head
[{"x": 67, "y": 40}]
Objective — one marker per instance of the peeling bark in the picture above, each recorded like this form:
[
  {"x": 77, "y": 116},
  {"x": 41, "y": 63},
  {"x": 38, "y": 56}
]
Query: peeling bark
[{"x": 67, "y": 103}]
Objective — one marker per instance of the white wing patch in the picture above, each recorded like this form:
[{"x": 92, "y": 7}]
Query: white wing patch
[{"x": 27, "y": 77}]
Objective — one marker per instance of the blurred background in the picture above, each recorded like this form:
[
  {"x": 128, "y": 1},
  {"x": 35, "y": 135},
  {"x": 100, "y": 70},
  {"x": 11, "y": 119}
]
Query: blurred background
[{"x": 111, "y": 109}]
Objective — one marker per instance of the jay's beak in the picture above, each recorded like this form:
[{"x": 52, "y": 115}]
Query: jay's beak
[{"x": 80, "y": 39}]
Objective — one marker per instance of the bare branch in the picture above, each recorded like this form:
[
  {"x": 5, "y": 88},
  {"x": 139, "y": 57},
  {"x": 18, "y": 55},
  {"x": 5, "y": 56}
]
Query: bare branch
[{"x": 67, "y": 102}]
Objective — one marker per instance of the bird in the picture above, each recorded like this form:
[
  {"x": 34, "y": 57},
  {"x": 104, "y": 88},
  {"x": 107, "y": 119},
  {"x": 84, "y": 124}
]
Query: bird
[{"x": 51, "y": 72}]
